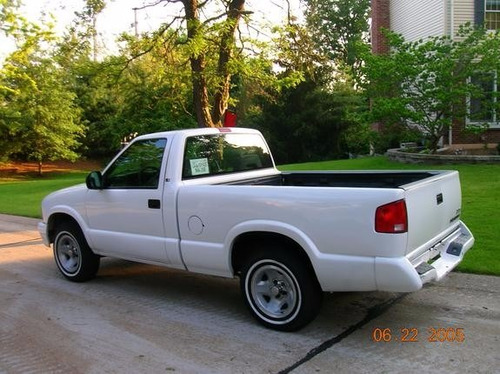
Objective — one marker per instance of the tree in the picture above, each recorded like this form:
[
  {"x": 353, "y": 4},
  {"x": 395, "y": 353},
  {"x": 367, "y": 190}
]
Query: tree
[
  {"x": 207, "y": 37},
  {"x": 37, "y": 111},
  {"x": 201, "y": 36},
  {"x": 80, "y": 39},
  {"x": 153, "y": 92},
  {"x": 340, "y": 30},
  {"x": 318, "y": 112},
  {"x": 425, "y": 84},
  {"x": 90, "y": 13},
  {"x": 309, "y": 123},
  {"x": 297, "y": 55}
]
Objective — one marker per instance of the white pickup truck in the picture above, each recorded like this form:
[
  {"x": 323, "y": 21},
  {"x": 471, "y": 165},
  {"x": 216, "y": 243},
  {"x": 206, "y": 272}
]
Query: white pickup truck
[{"x": 212, "y": 201}]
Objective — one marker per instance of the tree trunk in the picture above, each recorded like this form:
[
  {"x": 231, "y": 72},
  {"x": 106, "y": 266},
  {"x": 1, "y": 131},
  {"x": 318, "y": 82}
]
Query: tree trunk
[
  {"x": 200, "y": 90},
  {"x": 221, "y": 97},
  {"x": 204, "y": 116}
]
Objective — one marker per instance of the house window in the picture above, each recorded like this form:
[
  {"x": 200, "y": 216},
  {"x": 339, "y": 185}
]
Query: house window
[
  {"x": 492, "y": 14},
  {"x": 483, "y": 107}
]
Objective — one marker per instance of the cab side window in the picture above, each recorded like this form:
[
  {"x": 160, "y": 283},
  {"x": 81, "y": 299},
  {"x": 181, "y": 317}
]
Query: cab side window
[{"x": 138, "y": 167}]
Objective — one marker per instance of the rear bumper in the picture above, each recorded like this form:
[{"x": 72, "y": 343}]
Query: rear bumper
[
  {"x": 394, "y": 274},
  {"x": 444, "y": 256},
  {"x": 412, "y": 272}
]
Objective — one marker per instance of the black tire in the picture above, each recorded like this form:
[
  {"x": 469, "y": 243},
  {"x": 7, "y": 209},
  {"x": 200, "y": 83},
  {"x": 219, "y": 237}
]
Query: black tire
[
  {"x": 73, "y": 256},
  {"x": 280, "y": 289}
]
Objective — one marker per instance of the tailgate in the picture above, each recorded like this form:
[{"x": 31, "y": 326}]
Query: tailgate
[{"x": 433, "y": 206}]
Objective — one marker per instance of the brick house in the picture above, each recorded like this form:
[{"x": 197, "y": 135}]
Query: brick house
[{"x": 428, "y": 18}]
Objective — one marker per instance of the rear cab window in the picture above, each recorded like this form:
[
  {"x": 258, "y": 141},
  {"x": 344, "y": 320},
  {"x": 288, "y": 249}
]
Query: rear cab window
[{"x": 216, "y": 154}]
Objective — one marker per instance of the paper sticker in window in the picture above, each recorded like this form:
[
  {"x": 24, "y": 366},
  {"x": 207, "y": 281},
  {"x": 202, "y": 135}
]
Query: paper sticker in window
[{"x": 199, "y": 166}]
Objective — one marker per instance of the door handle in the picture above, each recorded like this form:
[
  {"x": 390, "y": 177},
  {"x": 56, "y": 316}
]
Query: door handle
[{"x": 154, "y": 204}]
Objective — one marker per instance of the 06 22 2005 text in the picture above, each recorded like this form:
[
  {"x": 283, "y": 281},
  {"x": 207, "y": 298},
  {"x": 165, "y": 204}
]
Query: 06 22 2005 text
[{"x": 414, "y": 334}]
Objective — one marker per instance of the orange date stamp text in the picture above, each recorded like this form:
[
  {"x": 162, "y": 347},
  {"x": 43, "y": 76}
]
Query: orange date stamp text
[{"x": 413, "y": 334}]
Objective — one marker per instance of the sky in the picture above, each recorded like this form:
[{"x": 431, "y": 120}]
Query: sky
[{"x": 118, "y": 16}]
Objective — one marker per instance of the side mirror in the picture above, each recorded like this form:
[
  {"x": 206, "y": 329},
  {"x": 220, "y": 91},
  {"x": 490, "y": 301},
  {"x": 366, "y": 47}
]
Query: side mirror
[{"x": 94, "y": 181}]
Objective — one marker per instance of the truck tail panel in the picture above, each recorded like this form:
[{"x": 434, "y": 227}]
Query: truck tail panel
[{"x": 434, "y": 207}]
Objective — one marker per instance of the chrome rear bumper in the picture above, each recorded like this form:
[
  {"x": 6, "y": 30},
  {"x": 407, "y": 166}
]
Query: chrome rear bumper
[{"x": 444, "y": 256}]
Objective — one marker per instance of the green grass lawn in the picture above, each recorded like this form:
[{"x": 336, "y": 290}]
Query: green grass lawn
[
  {"x": 480, "y": 191},
  {"x": 23, "y": 197}
]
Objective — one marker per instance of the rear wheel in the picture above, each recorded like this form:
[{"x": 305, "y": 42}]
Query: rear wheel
[
  {"x": 280, "y": 290},
  {"x": 73, "y": 256}
]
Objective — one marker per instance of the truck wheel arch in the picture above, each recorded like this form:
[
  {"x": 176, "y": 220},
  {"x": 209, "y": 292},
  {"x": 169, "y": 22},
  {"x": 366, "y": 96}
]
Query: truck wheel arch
[
  {"x": 263, "y": 230},
  {"x": 56, "y": 219},
  {"x": 246, "y": 244}
]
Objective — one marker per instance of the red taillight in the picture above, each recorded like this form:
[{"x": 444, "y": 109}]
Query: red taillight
[{"x": 391, "y": 218}]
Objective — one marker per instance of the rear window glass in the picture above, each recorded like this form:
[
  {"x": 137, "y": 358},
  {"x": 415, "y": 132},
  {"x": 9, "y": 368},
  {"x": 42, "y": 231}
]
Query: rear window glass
[{"x": 215, "y": 154}]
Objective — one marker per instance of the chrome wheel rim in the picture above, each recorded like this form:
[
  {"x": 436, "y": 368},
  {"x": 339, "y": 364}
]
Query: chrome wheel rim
[
  {"x": 274, "y": 291},
  {"x": 68, "y": 253}
]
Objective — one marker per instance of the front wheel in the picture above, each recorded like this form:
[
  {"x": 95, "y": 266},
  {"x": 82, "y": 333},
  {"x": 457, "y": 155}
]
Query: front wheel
[
  {"x": 73, "y": 256},
  {"x": 280, "y": 290}
]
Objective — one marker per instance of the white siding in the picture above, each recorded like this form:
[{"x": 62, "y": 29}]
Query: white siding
[
  {"x": 463, "y": 12},
  {"x": 419, "y": 19}
]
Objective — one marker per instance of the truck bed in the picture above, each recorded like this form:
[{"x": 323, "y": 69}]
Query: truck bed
[
  {"x": 362, "y": 179},
  {"x": 432, "y": 197}
]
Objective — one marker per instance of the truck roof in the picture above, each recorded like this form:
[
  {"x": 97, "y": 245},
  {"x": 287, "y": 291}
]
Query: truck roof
[{"x": 200, "y": 131}]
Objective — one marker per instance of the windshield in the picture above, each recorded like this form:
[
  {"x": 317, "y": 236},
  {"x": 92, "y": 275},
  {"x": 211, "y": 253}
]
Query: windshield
[{"x": 215, "y": 154}]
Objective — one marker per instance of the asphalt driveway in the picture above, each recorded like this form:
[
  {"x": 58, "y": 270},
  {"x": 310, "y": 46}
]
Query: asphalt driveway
[{"x": 137, "y": 318}]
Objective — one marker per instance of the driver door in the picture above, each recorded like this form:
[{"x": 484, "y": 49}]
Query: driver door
[{"x": 126, "y": 216}]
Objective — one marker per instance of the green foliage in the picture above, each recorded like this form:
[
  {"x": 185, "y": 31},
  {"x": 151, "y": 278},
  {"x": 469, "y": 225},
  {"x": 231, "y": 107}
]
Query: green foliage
[
  {"x": 340, "y": 29},
  {"x": 308, "y": 122},
  {"x": 295, "y": 51},
  {"x": 153, "y": 92},
  {"x": 319, "y": 115},
  {"x": 150, "y": 85},
  {"x": 38, "y": 117},
  {"x": 479, "y": 129},
  {"x": 11, "y": 23},
  {"x": 358, "y": 137},
  {"x": 80, "y": 39},
  {"x": 133, "y": 93},
  {"x": 425, "y": 83},
  {"x": 392, "y": 135}
]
